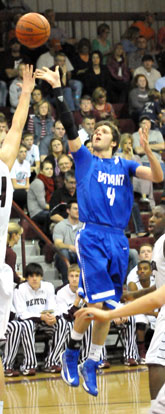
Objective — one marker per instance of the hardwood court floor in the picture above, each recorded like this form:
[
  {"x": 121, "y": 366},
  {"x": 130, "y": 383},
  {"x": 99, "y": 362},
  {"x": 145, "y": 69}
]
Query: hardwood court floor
[{"x": 122, "y": 390}]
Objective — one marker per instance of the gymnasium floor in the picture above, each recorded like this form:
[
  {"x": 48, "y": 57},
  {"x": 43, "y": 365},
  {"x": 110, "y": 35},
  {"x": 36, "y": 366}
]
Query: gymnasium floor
[{"x": 122, "y": 390}]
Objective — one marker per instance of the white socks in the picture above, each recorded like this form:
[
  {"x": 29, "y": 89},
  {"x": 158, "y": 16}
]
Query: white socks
[
  {"x": 1, "y": 407},
  {"x": 95, "y": 352},
  {"x": 76, "y": 335}
]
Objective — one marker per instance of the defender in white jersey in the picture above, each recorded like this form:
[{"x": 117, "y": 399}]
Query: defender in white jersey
[{"x": 8, "y": 154}]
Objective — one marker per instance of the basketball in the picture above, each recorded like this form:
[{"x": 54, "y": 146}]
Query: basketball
[{"x": 32, "y": 30}]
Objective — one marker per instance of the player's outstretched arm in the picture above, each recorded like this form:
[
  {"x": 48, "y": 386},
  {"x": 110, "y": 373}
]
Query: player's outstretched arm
[
  {"x": 9, "y": 150},
  {"x": 143, "y": 305},
  {"x": 154, "y": 173},
  {"x": 65, "y": 115}
]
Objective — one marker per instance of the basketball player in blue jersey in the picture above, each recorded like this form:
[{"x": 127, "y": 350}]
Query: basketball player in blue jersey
[
  {"x": 105, "y": 198},
  {"x": 8, "y": 154}
]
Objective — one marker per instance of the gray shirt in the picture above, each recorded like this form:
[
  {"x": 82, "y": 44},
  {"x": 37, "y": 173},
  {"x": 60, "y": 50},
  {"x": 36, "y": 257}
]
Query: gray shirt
[
  {"x": 36, "y": 197},
  {"x": 66, "y": 232}
]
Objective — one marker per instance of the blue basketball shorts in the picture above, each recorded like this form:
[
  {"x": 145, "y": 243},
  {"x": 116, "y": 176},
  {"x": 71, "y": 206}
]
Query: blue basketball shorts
[{"x": 103, "y": 258}]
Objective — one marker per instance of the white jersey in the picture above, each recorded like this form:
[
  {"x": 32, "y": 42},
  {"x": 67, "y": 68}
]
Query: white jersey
[
  {"x": 30, "y": 303},
  {"x": 158, "y": 261},
  {"x": 65, "y": 299},
  {"x": 6, "y": 197}
]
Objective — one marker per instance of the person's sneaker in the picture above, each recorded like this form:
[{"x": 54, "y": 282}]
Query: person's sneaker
[
  {"x": 104, "y": 364},
  {"x": 87, "y": 370},
  {"x": 142, "y": 361},
  {"x": 53, "y": 369},
  {"x": 28, "y": 372},
  {"x": 130, "y": 362},
  {"x": 69, "y": 363},
  {"x": 11, "y": 373}
]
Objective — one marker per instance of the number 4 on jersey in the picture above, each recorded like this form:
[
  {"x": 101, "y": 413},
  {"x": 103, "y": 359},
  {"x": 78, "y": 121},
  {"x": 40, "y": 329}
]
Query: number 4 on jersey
[{"x": 111, "y": 195}]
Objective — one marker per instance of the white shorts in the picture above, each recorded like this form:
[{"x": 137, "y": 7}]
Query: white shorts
[
  {"x": 6, "y": 295},
  {"x": 156, "y": 351},
  {"x": 158, "y": 406}
]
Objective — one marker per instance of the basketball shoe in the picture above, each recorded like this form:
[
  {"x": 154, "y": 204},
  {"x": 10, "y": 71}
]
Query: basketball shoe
[
  {"x": 87, "y": 370},
  {"x": 69, "y": 362}
]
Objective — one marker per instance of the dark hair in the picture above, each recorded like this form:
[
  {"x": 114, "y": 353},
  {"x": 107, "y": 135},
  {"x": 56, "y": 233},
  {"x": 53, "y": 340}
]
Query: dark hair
[
  {"x": 101, "y": 28},
  {"x": 83, "y": 42},
  {"x": 87, "y": 142},
  {"x": 27, "y": 134},
  {"x": 69, "y": 205},
  {"x": 69, "y": 174},
  {"x": 115, "y": 132},
  {"x": 144, "y": 261},
  {"x": 87, "y": 97},
  {"x": 45, "y": 161},
  {"x": 147, "y": 57},
  {"x": 159, "y": 230},
  {"x": 97, "y": 52},
  {"x": 32, "y": 268}
]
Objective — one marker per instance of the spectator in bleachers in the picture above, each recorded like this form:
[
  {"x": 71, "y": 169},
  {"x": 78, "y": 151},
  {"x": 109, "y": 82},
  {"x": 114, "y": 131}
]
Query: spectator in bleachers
[
  {"x": 89, "y": 145},
  {"x": 17, "y": 6},
  {"x": 20, "y": 174},
  {"x": 60, "y": 133},
  {"x": 146, "y": 30},
  {"x": 69, "y": 82},
  {"x": 85, "y": 109},
  {"x": 97, "y": 75},
  {"x": 32, "y": 155},
  {"x": 3, "y": 123},
  {"x": 155, "y": 137},
  {"x": 138, "y": 96},
  {"x": 13, "y": 236},
  {"x": 15, "y": 88},
  {"x": 64, "y": 237},
  {"x": 102, "y": 43},
  {"x": 151, "y": 108},
  {"x": 119, "y": 74},
  {"x": 72, "y": 87},
  {"x": 101, "y": 108},
  {"x": 39, "y": 195},
  {"x": 57, "y": 32},
  {"x": 11, "y": 59},
  {"x": 147, "y": 69},
  {"x": 62, "y": 197},
  {"x": 135, "y": 58},
  {"x": 37, "y": 97},
  {"x": 55, "y": 150},
  {"x": 87, "y": 129},
  {"x": 129, "y": 39},
  {"x": 160, "y": 111},
  {"x": 144, "y": 188},
  {"x": 41, "y": 125},
  {"x": 65, "y": 163},
  {"x": 81, "y": 60}
]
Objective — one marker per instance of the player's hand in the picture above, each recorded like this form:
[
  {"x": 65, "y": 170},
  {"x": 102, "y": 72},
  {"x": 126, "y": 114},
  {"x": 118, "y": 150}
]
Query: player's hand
[
  {"x": 28, "y": 83},
  {"x": 126, "y": 296},
  {"x": 53, "y": 78},
  {"x": 120, "y": 321},
  {"x": 92, "y": 314},
  {"x": 143, "y": 132}
]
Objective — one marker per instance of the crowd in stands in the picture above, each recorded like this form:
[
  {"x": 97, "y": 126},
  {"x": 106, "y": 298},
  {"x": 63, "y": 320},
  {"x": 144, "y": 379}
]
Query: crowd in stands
[{"x": 124, "y": 83}]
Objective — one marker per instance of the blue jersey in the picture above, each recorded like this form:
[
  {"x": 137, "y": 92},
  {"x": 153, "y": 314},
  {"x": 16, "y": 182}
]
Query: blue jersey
[{"x": 104, "y": 188}]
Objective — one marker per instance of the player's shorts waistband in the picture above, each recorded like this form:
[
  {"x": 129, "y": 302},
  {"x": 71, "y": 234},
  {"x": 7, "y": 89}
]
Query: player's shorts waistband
[{"x": 104, "y": 227}]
